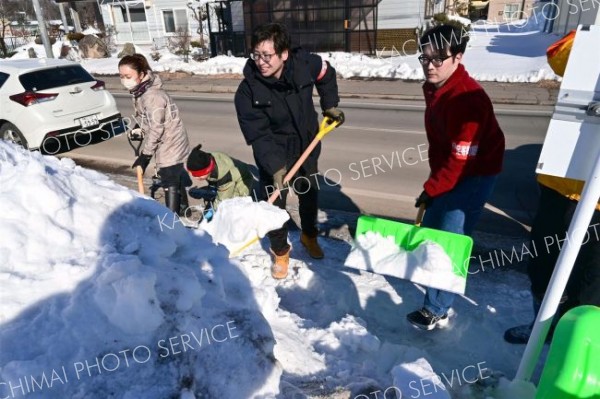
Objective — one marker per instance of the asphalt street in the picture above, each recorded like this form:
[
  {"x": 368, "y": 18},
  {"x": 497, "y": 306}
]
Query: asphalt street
[{"x": 512, "y": 101}]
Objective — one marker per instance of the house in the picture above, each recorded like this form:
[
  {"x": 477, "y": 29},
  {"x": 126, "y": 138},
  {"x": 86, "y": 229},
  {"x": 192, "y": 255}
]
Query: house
[
  {"x": 399, "y": 21},
  {"x": 149, "y": 22},
  {"x": 568, "y": 14},
  {"x": 560, "y": 16},
  {"x": 366, "y": 26},
  {"x": 509, "y": 10}
]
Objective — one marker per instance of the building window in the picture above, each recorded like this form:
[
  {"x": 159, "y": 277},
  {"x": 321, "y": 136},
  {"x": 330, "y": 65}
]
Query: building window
[
  {"x": 175, "y": 20},
  {"x": 136, "y": 13},
  {"x": 511, "y": 12}
]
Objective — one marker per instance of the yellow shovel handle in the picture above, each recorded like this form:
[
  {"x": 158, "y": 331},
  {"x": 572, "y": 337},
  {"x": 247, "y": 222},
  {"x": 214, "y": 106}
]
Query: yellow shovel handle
[
  {"x": 240, "y": 249},
  {"x": 140, "y": 179},
  {"x": 326, "y": 126}
]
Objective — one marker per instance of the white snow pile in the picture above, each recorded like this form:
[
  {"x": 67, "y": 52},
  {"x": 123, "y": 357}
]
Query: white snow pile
[
  {"x": 97, "y": 301},
  {"x": 240, "y": 221},
  {"x": 428, "y": 264}
]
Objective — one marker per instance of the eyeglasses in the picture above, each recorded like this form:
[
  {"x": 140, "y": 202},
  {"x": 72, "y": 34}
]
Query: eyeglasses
[
  {"x": 436, "y": 61},
  {"x": 265, "y": 57}
]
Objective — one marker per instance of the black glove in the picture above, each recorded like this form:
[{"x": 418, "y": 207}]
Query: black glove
[
  {"x": 143, "y": 160},
  {"x": 424, "y": 198},
  {"x": 336, "y": 114}
]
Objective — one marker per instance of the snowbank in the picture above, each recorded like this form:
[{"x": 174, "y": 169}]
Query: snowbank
[
  {"x": 509, "y": 52},
  {"x": 98, "y": 301}
]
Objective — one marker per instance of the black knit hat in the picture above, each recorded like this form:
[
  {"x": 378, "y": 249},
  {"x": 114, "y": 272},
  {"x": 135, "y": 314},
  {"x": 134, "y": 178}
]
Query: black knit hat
[{"x": 200, "y": 163}]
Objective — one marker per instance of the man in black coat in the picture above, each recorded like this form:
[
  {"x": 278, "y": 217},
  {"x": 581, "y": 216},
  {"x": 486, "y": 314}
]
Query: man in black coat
[{"x": 277, "y": 116}]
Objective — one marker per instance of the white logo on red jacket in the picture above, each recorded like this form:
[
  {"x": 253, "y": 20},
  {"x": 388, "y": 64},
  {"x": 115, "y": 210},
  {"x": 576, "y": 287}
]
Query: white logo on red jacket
[{"x": 464, "y": 149}]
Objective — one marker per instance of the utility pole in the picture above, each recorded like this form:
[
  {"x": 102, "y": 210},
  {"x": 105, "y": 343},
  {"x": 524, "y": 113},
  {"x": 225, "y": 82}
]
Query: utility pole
[
  {"x": 75, "y": 17},
  {"x": 42, "y": 28},
  {"x": 63, "y": 17}
]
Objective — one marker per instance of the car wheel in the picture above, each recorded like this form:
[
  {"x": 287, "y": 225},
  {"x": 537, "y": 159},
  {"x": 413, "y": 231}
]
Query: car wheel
[{"x": 10, "y": 132}]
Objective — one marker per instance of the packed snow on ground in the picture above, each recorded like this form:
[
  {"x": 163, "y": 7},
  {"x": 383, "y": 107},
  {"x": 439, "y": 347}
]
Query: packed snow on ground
[
  {"x": 506, "y": 52},
  {"x": 99, "y": 299}
]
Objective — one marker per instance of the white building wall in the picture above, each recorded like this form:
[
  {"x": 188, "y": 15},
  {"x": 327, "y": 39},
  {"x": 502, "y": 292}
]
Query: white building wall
[
  {"x": 400, "y": 14},
  {"x": 237, "y": 16},
  {"x": 153, "y": 29}
]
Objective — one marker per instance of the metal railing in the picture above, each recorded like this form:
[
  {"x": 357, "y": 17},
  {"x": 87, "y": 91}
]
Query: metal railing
[{"x": 13, "y": 42}]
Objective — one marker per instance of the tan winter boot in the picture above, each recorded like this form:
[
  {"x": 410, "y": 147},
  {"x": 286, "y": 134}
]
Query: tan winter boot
[
  {"x": 312, "y": 246},
  {"x": 279, "y": 269}
]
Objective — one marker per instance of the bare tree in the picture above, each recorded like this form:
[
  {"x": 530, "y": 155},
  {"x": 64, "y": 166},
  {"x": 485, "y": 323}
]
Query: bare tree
[
  {"x": 458, "y": 7},
  {"x": 8, "y": 10},
  {"x": 109, "y": 37},
  {"x": 179, "y": 44},
  {"x": 200, "y": 14},
  {"x": 50, "y": 10}
]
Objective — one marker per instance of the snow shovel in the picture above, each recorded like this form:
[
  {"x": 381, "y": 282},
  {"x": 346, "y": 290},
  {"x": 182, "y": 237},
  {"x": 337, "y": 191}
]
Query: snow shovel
[
  {"x": 136, "y": 149},
  {"x": 327, "y": 125},
  {"x": 448, "y": 276}
]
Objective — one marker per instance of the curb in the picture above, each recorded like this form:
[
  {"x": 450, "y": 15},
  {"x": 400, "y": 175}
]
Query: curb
[
  {"x": 392, "y": 90},
  {"x": 215, "y": 89}
]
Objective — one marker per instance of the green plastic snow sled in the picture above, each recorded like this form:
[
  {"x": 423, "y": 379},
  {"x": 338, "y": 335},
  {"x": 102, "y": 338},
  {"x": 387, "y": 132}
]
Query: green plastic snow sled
[{"x": 572, "y": 369}]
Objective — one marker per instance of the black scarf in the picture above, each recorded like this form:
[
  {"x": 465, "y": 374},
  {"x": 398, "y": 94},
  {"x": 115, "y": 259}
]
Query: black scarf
[{"x": 141, "y": 88}]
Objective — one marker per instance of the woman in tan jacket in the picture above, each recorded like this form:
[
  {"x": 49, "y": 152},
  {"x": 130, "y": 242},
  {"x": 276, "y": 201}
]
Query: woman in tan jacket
[{"x": 165, "y": 137}]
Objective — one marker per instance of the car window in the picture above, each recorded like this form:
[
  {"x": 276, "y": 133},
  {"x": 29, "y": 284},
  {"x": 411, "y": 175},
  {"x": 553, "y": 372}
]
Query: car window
[
  {"x": 3, "y": 78},
  {"x": 55, "y": 77}
]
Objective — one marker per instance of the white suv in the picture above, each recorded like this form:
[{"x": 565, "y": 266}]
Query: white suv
[{"x": 54, "y": 106}]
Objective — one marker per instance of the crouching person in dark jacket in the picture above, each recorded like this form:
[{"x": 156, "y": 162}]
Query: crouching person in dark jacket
[{"x": 277, "y": 116}]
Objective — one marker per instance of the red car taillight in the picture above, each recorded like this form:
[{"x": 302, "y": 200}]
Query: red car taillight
[
  {"x": 98, "y": 86},
  {"x": 29, "y": 98}
]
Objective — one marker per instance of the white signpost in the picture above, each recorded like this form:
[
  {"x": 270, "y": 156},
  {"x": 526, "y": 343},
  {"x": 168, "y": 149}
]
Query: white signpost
[{"x": 571, "y": 149}]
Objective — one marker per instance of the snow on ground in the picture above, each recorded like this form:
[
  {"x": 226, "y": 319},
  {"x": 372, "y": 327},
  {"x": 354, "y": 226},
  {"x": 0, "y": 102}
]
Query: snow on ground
[
  {"x": 100, "y": 300},
  {"x": 509, "y": 52}
]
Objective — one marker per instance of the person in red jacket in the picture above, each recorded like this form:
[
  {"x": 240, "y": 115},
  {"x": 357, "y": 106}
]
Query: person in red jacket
[{"x": 466, "y": 149}]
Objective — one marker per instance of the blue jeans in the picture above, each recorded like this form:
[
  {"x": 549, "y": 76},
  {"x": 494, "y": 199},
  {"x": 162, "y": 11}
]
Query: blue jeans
[{"x": 456, "y": 211}]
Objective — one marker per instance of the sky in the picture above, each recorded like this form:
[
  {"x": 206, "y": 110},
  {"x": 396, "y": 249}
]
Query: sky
[
  {"x": 106, "y": 294},
  {"x": 514, "y": 52}
]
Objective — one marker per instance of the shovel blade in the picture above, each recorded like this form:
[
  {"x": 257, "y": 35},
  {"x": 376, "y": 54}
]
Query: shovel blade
[{"x": 458, "y": 247}]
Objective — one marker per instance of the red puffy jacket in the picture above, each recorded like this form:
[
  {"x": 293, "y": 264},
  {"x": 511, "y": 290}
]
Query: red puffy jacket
[{"x": 463, "y": 133}]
